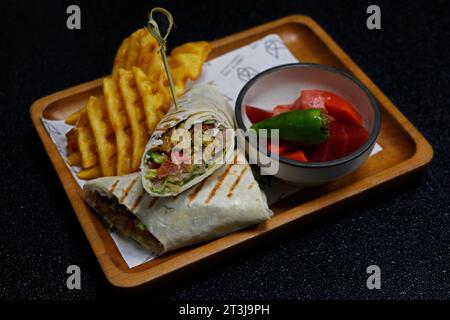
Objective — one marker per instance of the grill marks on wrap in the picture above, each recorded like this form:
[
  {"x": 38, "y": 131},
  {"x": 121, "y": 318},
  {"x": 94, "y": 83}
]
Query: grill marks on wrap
[
  {"x": 152, "y": 202},
  {"x": 236, "y": 182},
  {"x": 196, "y": 191},
  {"x": 127, "y": 189},
  {"x": 220, "y": 181},
  {"x": 114, "y": 185},
  {"x": 138, "y": 200}
]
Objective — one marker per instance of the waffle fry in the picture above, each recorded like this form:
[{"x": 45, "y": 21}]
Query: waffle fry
[
  {"x": 135, "y": 111},
  {"x": 120, "y": 124},
  {"x": 71, "y": 137},
  {"x": 86, "y": 145},
  {"x": 74, "y": 159},
  {"x": 91, "y": 173},
  {"x": 153, "y": 99},
  {"x": 200, "y": 48},
  {"x": 186, "y": 66},
  {"x": 73, "y": 118},
  {"x": 133, "y": 51},
  {"x": 148, "y": 48},
  {"x": 120, "y": 59},
  {"x": 103, "y": 134},
  {"x": 186, "y": 62}
]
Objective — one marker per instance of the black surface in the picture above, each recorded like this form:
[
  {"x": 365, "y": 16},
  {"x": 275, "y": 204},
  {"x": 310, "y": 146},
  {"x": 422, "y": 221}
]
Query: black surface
[{"x": 405, "y": 231}]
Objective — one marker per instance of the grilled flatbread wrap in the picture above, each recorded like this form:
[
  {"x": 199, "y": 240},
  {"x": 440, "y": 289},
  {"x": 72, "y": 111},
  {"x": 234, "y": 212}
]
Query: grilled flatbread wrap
[
  {"x": 203, "y": 113},
  {"x": 226, "y": 201}
]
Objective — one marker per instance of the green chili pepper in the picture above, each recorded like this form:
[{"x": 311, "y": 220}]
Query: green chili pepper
[
  {"x": 305, "y": 126},
  {"x": 156, "y": 157}
]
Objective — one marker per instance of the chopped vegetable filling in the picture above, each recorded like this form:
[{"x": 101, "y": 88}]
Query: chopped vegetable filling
[{"x": 168, "y": 175}]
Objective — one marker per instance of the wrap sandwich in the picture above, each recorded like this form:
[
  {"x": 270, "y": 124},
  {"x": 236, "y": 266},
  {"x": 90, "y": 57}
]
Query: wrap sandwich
[
  {"x": 228, "y": 200},
  {"x": 189, "y": 143}
]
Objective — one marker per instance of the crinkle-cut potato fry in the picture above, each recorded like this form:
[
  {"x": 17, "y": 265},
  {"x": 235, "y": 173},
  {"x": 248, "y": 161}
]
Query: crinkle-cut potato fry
[
  {"x": 134, "y": 48},
  {"x": 103, "y": 134},
  {"x": 73, "y": 118},
  {"x": 155, "y": 66},
  {"x": 72, "y": 143},
  {"x": 187, "y": 61},
  {"x": 121, "y": 125},
  {"x": 200, "y": 48},
  {"x": 179, "y": 78},
  {"x": 148, "y": 48},
  {"x": 187, "y": 64},
  {"x": 90, "y": 173},
  {"x": 74, "y": 159},
  {"x": 162, "y": 86},
  {"x": 163, "y": 83},
  {"x": 135, "y": 111},
  {"x": 152, "y": 99},
  {"x": 120, "y": 59},
  {"x": 78, "y": 118},
  {"x": 86, "y": 145}
]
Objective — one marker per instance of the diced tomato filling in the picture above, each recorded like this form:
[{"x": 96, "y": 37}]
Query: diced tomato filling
[
  {"x": 173, "y": 164},
  {"x": 167, "y": 168},
  {"x": 346, "y": 133}
]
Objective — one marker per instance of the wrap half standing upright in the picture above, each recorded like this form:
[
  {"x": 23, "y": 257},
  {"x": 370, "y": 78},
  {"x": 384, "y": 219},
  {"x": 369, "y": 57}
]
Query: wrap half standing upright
[{"x": 189, "y": 143}]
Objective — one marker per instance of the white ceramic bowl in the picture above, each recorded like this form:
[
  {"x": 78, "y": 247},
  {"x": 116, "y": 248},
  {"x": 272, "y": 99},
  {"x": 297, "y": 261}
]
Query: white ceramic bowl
[{"x": 282, "y": 85}]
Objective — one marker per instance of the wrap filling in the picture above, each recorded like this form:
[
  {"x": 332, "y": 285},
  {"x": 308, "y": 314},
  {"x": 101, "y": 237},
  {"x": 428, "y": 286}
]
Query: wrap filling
[
  {"x": 183, "y": 155},
  {"x": 117, "y": 217}
]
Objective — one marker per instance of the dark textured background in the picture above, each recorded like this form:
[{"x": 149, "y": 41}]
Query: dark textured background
[{"x": 405, "y": 231}]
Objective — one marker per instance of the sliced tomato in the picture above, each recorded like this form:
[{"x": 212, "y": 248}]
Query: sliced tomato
[
  {"x": 297, "y": 104},
  {"x": 255, "y": 114},
  {"x": 356, "y": 137},
  {"x": 342, "y": 141},
  {"x": 282, "y": 148},
  {"x": 342, "y": 110},
  {"x": 297, "y": 155},
  {"x": 312, "y": 99},
  {"x": 336, "y": 106},
  {"x": 282, "y": 108}
]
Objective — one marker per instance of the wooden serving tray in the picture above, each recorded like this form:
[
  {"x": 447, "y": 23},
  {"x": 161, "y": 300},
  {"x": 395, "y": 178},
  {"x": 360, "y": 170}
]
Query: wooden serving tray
[{"x": 405, "y": 151}]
